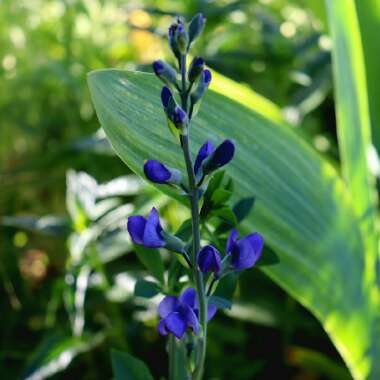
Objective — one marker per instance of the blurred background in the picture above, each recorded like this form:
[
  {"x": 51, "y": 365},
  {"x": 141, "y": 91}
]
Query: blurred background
[{"x": 67, "y": 270}]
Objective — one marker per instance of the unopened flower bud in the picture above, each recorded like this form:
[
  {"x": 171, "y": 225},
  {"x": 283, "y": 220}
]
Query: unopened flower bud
[
  {"x": 196, "y": 27},
  {"x": 178, "y": 38},
  {"x": 157, "y": 172},
  {"x": 203, "y": 84},
  {"x": 196, "y": 68},
  {"x": 165, "y": 72}
]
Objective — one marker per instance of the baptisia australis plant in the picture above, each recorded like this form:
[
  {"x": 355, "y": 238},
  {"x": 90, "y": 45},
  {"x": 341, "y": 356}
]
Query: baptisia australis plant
[{"x": 186, "y": 316}]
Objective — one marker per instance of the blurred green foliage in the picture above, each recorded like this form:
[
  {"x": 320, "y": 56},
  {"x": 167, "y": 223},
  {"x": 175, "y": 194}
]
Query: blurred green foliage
[{"x": 62, "y": 311}]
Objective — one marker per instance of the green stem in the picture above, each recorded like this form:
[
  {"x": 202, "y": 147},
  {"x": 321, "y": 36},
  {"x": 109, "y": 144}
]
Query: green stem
[
  {"x": 172, "y": 358},
  {"x": 194, "y": 204}
]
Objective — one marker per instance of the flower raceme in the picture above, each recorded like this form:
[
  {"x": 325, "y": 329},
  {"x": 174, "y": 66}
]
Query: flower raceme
[
  {"x": 246, "y": 251},
  {"x": 181, "y": 313}
]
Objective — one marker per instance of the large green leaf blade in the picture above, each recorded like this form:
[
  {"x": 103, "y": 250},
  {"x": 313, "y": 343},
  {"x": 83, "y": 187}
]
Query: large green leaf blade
[
  {"x": 369, "y": 21},
  {"x": 302, "y": 207},
  {"x": 127, "y": 367},
  {"x": 353, "y": 121}
]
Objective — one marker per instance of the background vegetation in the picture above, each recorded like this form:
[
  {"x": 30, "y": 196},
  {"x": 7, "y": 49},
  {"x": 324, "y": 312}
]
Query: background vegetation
[{"x": 67, "y": 268}]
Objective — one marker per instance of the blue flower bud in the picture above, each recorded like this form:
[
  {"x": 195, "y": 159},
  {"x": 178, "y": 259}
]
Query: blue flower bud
[
  {"x": 203, "y": 84},
  {"x": 166, "y": 95},
  {"x": 246, "y": 251},
  {"x": 209, "y": 260},
  {"x": 157, "y": 172},
  {"x": 222, "y": 155},
  {"x": 196, "y": 27},
  {"x": 165, "y": 72},
  {"x": 178, "y": 117},
  {"x": 205, "y": 151},
  {"x": 178, "y": 38},
  {"x": 182, "y": 38},
  {"x": 196, "y": 67}
]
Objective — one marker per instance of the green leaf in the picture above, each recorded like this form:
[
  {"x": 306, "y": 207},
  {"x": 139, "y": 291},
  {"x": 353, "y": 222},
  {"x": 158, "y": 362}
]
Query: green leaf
[
  {"x": 56, "y": 352},
  {"x": 152, "y": 261},
  {"x": 302, "y": 208},
  {"x": 225, "y": 214},
  {"x": 127, "y": 367},
  {"x": 243, "y": 208},
  {"x": 220, "y": 302},
  {"x": 220, "y": 196},
  {"x": 146, "y": 289},
  {"x": 353, "y": 121},
  {"x": 369, "y": 21}
]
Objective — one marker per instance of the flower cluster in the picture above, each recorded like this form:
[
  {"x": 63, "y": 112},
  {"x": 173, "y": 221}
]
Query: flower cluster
[{"x": 180, "y": 97}]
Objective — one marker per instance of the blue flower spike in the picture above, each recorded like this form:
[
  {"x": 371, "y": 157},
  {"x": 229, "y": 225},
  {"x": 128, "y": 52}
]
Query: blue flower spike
[
  {"x": 157, "y": 172},
  {"x": 209, "y": 260},
  {"x": 246, "y": 251},
  {"x": 178, "y": 314},
  {"x": 146, "y": 231}
]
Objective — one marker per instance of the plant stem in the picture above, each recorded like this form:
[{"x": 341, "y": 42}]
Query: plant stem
[
  {"x": 194, "y": 204},
  {"x": 172, "y": 357}
]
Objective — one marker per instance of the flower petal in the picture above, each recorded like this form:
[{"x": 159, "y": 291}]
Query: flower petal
[
  {"x": 223, "y": 154},
  {"x": 247, "y": 251},
  {"x": 209, "y": 260},
  {"x": 231, "y": 241},
  {"x": 156, "y": 171},
  {"x": 189, "y": 297},
  {"x": 176, "y": 324},
  {"x": 161, "y": 327},
  {"x": 191, "y": 318},
  {"x": 152, "y": 237},
  {"x": 211, "y": 311},
  {"x": 206, "y": 149},
  {"x": 167, "y": 306},
  {"x": 136, "y": 226},
  {"x": 165, "y": 96}
]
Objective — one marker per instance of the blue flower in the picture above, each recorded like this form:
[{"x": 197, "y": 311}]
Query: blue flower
[
  {"x": 180, "y": 313},
  {"x": 246, "y": 251},
  {"x": 157, "y": 172},
  {"x": 209, "y": 260},
  {"x": 146, "y": 231},
  {"x": 210, "y": 159}
]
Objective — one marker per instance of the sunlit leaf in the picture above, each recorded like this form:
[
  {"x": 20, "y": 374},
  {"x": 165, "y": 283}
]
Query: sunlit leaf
[{"x": 302, "y": 207}]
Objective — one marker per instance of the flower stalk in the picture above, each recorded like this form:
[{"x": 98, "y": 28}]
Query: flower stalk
[
  {"x": 194, "y": 206},
  {"x": 186, "y": 316}
]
